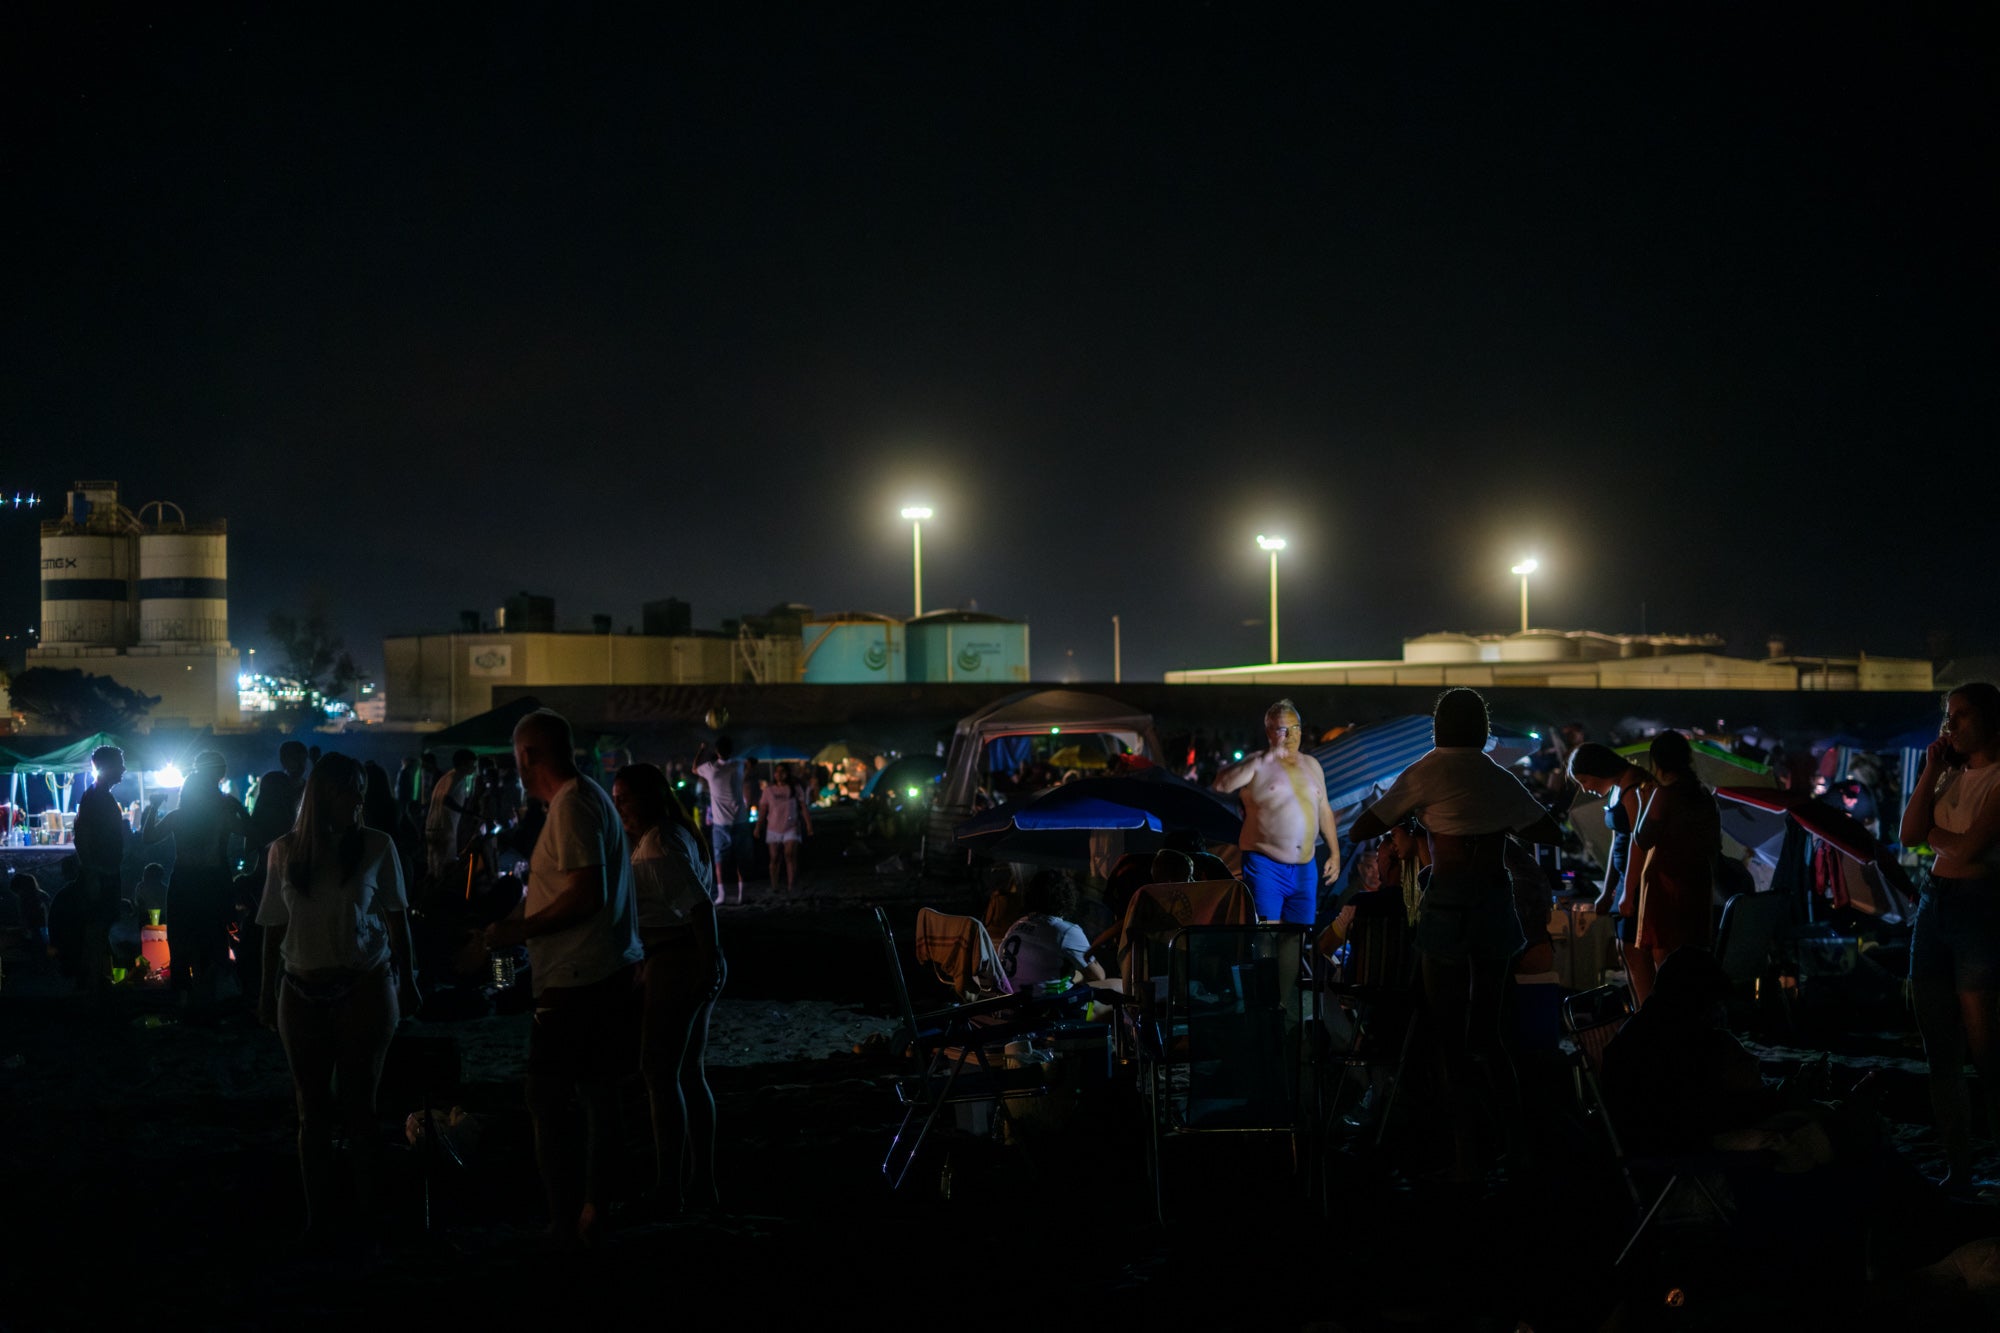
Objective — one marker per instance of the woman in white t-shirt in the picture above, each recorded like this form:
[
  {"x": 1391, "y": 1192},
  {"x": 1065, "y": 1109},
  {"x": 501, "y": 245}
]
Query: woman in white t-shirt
[
  {"x": 683, "y": 973},
  {"x": 336, "y": 946},
  {"x": 1955, "y": 939}
]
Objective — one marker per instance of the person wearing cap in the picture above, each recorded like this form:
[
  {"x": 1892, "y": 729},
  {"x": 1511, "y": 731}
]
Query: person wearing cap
[
  {"x": 101, "y": 834},
  {"x": 198, "y": 897}
]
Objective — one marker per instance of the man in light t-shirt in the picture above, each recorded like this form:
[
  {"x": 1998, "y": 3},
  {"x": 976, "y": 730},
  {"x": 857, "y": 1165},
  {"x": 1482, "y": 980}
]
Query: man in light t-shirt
[
  {"x": 580, "y": 925},
  {"x": 728, "y": 814},
  {"x": 449, "y": 799}
]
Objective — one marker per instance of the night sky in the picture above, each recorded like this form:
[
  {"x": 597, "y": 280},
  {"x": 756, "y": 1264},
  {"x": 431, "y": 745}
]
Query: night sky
[{"x": 1695, "y": 305}]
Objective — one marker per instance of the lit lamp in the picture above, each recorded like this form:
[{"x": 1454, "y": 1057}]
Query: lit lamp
[
  {"x": 917, "y": 514},
  {"x": 1525, "y": 568},
  {"x": 1273, "y": 545}
]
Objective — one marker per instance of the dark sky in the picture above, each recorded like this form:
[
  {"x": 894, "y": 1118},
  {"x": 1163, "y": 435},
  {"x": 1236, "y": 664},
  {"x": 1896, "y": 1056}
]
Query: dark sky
[{"x": 1697, "y": 305}]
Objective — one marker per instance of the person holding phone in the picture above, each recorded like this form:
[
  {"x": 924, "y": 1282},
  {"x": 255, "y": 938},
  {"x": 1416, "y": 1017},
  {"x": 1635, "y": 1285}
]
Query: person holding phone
[{"x": 1955, "y": 939}]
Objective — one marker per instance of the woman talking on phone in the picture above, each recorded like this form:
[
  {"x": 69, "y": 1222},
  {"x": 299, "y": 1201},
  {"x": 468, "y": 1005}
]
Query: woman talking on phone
[{"x": 1955, "y": 941}]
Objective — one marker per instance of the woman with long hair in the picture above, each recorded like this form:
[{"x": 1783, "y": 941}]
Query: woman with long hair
[
  {"x": 335, "y": 929},
  {"x": 1670, "y": 870},
  {"x": 1955, "y": 940},
  {"x": 1624, "y": 787},
  {"x": 683, "y": 973}
]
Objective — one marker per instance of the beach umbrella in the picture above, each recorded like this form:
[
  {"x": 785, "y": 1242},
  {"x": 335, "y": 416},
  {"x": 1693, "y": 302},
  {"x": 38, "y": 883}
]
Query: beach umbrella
[
  {"x": 835, "y": 752},
  {"x": 1715, "y": 766},
  {"x": 1840, "y": 830},
  {"x": 1362, "y": 762},
  {"x": 1059, "y": 822}
]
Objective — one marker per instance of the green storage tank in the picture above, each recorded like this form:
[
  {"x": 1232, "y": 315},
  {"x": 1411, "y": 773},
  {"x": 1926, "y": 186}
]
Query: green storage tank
[
  {"x": 851, "y": 648},
  {"x": 958, "y": 646}
]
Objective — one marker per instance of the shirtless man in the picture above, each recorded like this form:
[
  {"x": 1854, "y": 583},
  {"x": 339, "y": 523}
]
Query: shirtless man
[{"x": 1284, "y": 812}]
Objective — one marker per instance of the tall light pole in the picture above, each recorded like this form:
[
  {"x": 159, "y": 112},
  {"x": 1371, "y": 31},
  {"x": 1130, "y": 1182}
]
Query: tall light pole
[
  {"x": 917, "y": 514},
  {"x": 1117, "y": 654},
  {"x": 1525, "y": 568},
  {"x": 1273, "y": 545}
]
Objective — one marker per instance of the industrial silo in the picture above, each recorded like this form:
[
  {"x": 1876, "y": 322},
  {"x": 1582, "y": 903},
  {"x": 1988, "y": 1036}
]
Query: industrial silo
[
  {"x": 959, "y": 646},
  {"x": 851, "y": 648},
  {"x": 183, "y": 580},
  {"x": 88, "y": 564}
]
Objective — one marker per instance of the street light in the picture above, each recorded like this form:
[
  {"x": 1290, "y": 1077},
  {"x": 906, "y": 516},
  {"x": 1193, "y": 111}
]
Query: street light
[
  {"x": 1273, "y": 545},
  {"x": 917, "y": 514},
  {"x": 1525, "y": 568}
]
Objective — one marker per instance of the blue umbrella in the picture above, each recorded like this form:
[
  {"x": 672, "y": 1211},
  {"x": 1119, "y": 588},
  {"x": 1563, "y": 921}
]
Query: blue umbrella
[{"x": 1059, "y": 822}]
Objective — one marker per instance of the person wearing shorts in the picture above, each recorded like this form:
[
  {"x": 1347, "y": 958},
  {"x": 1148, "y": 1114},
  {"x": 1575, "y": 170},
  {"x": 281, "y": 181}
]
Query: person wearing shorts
[
  {"x": 785, "y": 817},
  {"x": 1285, "y": 814}
]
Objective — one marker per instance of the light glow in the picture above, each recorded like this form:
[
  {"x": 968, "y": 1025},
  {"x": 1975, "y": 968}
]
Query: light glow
[
  {"x": 170, "y": 776},
  {"x": 917, "y": 512},
  {"x": 1270, "y": 543},
  {"x": 1528, "y": 566}
]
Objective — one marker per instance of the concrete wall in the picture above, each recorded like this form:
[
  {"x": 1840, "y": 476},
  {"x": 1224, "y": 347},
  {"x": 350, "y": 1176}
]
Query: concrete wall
[{"x": 196, "y": 683}]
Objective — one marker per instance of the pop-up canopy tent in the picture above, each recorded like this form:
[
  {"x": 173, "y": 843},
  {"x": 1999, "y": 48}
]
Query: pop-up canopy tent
[
  {"x": 58, "y": 770},
  {"x": 1067, "y": 714}
]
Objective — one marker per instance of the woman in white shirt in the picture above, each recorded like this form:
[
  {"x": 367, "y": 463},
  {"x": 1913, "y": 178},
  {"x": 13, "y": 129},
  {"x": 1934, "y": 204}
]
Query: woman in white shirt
[
  {"x": 1955, "y": 939},
  {"x": 335, "y": 929},
  {"x": 683, "y": 973}
]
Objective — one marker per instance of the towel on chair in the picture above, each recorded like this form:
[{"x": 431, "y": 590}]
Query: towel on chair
[{"x": 960, "y": 951}]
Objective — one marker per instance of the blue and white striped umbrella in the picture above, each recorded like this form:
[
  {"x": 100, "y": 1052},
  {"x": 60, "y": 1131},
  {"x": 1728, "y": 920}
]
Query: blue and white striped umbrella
[{"x": 1360, "y": 762}]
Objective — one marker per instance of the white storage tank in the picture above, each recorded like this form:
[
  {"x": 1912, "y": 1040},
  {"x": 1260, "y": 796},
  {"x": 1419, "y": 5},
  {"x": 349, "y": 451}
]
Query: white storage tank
[
  {"x": 1433, "y": 648},
  {"x": 86, "y": 586},
  {"x": 184, "y": 584},
  {"x": 1538, "y": 645}
]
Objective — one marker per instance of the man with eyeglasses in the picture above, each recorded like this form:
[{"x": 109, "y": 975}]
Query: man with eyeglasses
[{"x": 1284, "y": 814}]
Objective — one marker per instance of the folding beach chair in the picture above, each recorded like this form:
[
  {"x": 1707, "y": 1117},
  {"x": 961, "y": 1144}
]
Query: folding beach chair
[
  {"x": 1224, "y": 1053},
  {"x": 954, "y": 1061}
]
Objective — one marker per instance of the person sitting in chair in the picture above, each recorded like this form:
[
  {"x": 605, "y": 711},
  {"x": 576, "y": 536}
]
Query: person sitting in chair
[{"x": 1045, "y": 945}]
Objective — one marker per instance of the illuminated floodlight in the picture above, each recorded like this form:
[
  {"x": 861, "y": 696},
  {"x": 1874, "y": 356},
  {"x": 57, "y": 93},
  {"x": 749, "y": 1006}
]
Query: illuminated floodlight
[
  {"x": 912, "y": 792},
  {"x": 917, "y": 512},
  {"x": 1525, "y": 568},
  {"x": 1273, "y": 545},
  {"x": 170, "y": 776}
]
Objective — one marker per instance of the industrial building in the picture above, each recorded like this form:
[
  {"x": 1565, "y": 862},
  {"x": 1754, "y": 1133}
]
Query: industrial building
[
  {"x": 142, "y": 599},
  {"x": 1583, "y": 660}
]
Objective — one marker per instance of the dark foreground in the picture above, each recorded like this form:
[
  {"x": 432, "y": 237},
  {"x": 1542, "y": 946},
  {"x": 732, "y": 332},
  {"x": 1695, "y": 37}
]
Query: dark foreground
[{"x": 149, "y": 1176}]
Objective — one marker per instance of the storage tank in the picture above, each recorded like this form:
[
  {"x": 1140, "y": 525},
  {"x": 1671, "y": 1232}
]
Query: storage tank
[
  {"x": 852, "y": 648},
  {"x": 86, "y": 586},
  {"x": 1433, "y": 648},
  {"x": 953, "y": 646},
  {"x": 184, "y": 585},
  {"x": 1538, "y": 645}
]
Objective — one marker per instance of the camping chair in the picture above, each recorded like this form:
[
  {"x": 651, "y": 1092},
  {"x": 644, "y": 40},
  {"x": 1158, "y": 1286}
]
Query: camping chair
[
  {"x": 950, "y": 1063},
  {"x": 1223, "y": 1053},
  {"x": 1592, "y": 1019},
  {"x": 425, "y": 1069},
  {"x": 1372, "y": 1012}
]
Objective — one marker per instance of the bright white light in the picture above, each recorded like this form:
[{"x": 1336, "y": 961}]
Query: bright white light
[
  {"x": 917, "y": 512},
  {"x": 1528, "y": 566},
  {"x": 1270, "y": 543},
  {"x": 170, "y": 776},
  {"x": 913, "y": 793}
]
